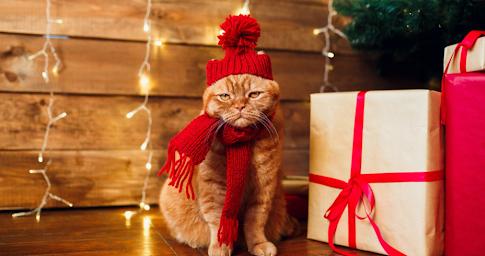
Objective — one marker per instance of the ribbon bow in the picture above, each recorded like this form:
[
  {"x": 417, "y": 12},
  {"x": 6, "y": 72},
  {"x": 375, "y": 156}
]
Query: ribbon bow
[
  {"x": 467, "y": 44},
  {"x": 351, "y": 195},
  {"x": 357, "y": 189}
]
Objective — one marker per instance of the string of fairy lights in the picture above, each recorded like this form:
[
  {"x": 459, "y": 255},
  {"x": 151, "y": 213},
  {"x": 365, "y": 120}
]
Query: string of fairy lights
[
  {"x": 45, "y": 74},
  {"x": 326, "y": 50},
  {"x": 144, "y": 74},
  {"x": 245, "y": 9}
]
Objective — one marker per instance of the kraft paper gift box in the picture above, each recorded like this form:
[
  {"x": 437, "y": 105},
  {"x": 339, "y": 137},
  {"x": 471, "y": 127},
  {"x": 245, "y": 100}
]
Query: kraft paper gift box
[
  {"x": 474, "y": 58},
  {"x": 464, "y": 114},
  {"x": 386, "y": 146}
]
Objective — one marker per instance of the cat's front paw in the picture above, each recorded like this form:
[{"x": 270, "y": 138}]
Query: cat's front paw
[
  {"x": 263, "y": 249},
  {"x": 216, "y": 250}
]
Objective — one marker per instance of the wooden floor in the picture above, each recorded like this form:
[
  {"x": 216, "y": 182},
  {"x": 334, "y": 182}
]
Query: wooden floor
[{"x": 106, "y": 231}]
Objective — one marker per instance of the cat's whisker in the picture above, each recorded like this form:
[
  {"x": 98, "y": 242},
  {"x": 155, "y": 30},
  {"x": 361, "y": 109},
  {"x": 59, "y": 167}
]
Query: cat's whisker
[
  {"x": 210, "y": 131},
  {"x": 216, "y": 124},
  {"x": 267, "y": 128},
  {"x": 252, "y": 118},
  {"x": 231, "y": 118},
  {"x": 274, "y": 130},
  {"x": 269, "y": 122},
  {"x": 266, "y": 122},
  {"x": 254, "y": 124},
  {"x": 261, "y": 119},
  {"x": 220, "y": 125}
]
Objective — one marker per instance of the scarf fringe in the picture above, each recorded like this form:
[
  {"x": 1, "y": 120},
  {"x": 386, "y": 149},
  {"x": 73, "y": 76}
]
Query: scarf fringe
[
  {"x": 227, "y": 232},
  {"x": 179, "y": 171}
]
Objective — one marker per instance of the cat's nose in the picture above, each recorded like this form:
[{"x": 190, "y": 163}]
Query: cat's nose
[{"x": 239, "y": 107}]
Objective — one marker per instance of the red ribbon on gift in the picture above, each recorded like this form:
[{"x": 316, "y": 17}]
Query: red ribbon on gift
[
  {"x": 357, "y": 188},
  {"x": 467, "y": 43}
]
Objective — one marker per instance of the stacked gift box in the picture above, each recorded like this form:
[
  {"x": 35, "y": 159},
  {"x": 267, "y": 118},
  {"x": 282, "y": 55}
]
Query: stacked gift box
[
  {"x": 378, "y": 180},
  {"x": 463, "y": 91}
]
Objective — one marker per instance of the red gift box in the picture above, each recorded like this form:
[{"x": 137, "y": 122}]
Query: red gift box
[
  {"x": 465, "y": 164},
  {"x": 465, "y": 159}
]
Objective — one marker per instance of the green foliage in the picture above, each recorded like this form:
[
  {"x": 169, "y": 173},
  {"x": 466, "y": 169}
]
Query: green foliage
[{"x": 410, "y": 32}]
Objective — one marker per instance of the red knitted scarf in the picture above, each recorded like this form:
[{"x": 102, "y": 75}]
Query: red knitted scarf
[{"x": 193, "y": 143}]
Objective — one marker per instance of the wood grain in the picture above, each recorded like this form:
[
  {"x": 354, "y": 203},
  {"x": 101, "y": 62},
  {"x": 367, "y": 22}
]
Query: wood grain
[
  {"x": 97, "y": 153},
  {"x": 96, "y": 149},
  {"x": 296, "y": 162},
  {"x": 285, "y": 24},
  {"x": 106, "y": 231},
  {"x": 111, "y": 67},
  {"x": 100, "y": 123},
  {"x": 95, "y": 178},
  {"x": 84, "y": 178}
]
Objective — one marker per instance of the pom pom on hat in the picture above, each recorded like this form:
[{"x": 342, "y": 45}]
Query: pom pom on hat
[
  {"x": 240, "y": 36},
  {"x": 240, "y": 31}
]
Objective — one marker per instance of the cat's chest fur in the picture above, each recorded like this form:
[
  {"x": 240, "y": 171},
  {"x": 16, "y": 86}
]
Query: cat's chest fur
[{"x": 264, "y": 168}]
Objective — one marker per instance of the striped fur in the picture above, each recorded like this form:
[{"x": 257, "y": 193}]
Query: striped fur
[{"x": 262, "y": 216}]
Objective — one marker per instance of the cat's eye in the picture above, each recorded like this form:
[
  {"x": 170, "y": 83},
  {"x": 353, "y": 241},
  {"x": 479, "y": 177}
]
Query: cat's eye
[
  {"x": 254, "y": 94},
  {"x": 224, "y": 96}
]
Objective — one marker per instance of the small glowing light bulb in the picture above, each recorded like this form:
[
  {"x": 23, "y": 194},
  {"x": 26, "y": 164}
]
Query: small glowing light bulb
[
  {"x": 31, "y": 171},
  {"x": 146, "y": 207},
  {"x": 330, "y": 55},
  {"x": 144, "y": 145},
  {"x": 244, "y": 11},
  {"x": 144, "y": 80},
  {"x": 37, "y": 217},
  {"x": 130, "y": 115},
  {"x": 148, "y": 166},
  {"x": 158, "y": 43},
  {"x": 146, "y": 27},
  {"x": 63, "y": 114},
  {"x": 316, "y": 31},
  {"x": 128, "y": 214},
  {"x": 70, "y": 205},
  {"x": 40, "y": 160},
  {"x": 31, "y": 57},
  {"x": 44, "y": 74},
  {"x": 221, "y": 32},
  {"x": 59, "y": 21},
  {"x": 54, "y": 69},
  {"x": 142, "y": 204}
]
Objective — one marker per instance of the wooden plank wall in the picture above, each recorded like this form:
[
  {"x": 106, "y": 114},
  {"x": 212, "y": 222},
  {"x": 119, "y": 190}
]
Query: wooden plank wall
[{"x": 95, "y": 150}]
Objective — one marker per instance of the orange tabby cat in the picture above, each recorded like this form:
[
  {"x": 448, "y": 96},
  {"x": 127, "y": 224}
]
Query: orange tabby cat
[{"x": 239, "y": 100}]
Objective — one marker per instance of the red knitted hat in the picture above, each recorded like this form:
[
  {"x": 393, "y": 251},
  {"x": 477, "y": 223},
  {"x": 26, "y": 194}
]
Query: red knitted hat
[{"x": 240, "y": 36}]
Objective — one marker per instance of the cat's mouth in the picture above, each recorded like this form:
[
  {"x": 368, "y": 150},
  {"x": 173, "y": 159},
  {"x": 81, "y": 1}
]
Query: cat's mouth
[{"x": 241, "y": 121}]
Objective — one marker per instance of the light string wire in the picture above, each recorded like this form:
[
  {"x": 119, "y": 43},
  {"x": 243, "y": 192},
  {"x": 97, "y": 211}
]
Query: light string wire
[
  {"x": 47, "y": 195},
  {"x": 325, "y": 52},
  {"x": 144, "y": 74},
  {"x": 45, "y": 73},
  {"x": 144, "y": 81},
  {"x": 245, "y": 9}
]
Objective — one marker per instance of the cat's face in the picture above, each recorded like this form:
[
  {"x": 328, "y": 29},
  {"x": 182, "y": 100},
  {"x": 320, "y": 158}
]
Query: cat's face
[{"x": 241, "y": 100}]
